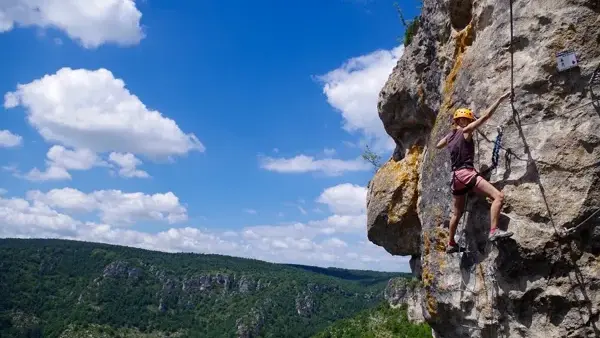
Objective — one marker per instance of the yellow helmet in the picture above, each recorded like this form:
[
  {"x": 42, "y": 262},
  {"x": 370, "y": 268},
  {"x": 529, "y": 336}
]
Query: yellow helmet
[{"x": 464, "y": 112}]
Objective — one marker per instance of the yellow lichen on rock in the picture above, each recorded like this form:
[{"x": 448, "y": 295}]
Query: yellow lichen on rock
[
  {"x": 421, "y": 93},
  {"x": 463, "y": 39},
  {"x": 431, "y": 304},
  {"x": 405, "y": 176},
  {"x": 392, "y": 219},
  {"x": 427, "y": 276}
]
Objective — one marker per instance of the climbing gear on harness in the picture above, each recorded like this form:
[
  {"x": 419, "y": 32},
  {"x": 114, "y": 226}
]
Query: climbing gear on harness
[
  {"x": 469, "y": 185},
  {"x": 496, "y": 150},
  {"x": 464, "y": 112}
]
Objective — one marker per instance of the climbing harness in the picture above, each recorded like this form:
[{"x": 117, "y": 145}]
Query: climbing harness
[{"x": 469, "y": 185}]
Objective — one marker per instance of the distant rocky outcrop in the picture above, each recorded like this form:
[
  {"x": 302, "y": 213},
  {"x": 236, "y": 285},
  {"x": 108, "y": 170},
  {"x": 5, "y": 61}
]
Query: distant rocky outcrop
[
  {"x": 305, "y": 304},
  {"x": 120, "y": 269},
  {"x": 400, "y": 291},
  {"x": 543, "y": 281},
  {"x": 250, "y": 325}
]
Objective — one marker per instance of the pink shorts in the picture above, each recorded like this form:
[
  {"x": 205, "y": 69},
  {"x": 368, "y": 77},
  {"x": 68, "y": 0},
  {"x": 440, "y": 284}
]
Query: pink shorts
[{"x": 463, "y": 176}]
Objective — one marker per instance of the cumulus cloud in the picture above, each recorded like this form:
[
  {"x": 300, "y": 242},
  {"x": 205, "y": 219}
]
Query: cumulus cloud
[
  {"x": 91, "y": 109},
  {"x": 60, "y": 160},
  {"x": 128, "y": 163},
  {"x": 21, "y": 218},
  {"x": 341, "y": 224},
  {"x": 338, "y": 240},
  {"x": 347, "y": 199},
  {"x": 91, "y": 22},
  {"x": 89, "y": 112},
  {"x": 353, "y": 89},
  {"x": 335, "y": 243},
  {"x": 8, "y": 139},
  {"x": 115, "y": 206},
  {"x": 303, "y": 164}
]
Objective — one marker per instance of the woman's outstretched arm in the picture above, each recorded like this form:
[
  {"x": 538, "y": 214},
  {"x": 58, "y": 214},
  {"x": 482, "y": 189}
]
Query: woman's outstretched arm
[
  {"x": 488, "y": 113},
  {"x": 442, "y": 143}
]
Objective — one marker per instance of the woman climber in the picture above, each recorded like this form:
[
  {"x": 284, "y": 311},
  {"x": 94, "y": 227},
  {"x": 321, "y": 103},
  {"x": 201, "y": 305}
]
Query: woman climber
[{"x": 465, "y": 177}]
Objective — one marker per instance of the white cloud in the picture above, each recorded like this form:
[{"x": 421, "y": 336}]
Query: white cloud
[
  {"x": 115, "y": 206},
  {"x": 338, "y": 240},
  {"x": 303, "y": 164},
  {"x": 250, "y": 211},
  {"x": 128, "y": 163},
  {"x": 186, "y": 239},
  {"x": 60, "y": 160},
  {"x": 348, "y": 199},
  {"x": 335, "y": 242},
  {"x": 80, "y": 159},
  {"x": 91, "y": 22},
  {"x": 8, "y": 139},
  {"x": 341, "y": 224},
  {"x": 50, "y": 174},
  {"x": 354, "y": 88},
  {"x": 329, "y": 152},
  {"x": 22, "y": 218},
  {"x": 86, "y": 109}
]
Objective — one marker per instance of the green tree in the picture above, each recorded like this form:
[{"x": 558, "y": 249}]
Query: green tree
[
  {"x": 68, "y": 289},
  {"x": 371, "y": 157},
  {"x": 410, "y": 27}
]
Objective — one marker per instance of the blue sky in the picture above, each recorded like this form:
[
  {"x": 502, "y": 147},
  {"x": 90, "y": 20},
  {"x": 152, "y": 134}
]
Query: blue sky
[{"x": 208, "y": 126}]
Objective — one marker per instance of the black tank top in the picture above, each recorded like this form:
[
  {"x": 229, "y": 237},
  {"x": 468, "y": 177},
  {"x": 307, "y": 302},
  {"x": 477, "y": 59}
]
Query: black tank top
[{"x": 461, "y": 150}]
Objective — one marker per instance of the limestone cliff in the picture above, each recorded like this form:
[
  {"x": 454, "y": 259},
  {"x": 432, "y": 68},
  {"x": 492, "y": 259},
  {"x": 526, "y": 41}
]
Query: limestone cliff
[{"x": 543, "y": 281}]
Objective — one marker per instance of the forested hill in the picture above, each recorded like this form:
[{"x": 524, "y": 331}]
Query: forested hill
[
  {"x": 58, "y": 288},
  {"x": 380, "y": 321}
]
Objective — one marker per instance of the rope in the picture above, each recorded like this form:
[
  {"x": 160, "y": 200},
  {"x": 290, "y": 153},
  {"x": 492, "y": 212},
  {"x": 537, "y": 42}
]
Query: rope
[
  {"x": 574, "y": 229},
  {"x": 512, "y": 60}
]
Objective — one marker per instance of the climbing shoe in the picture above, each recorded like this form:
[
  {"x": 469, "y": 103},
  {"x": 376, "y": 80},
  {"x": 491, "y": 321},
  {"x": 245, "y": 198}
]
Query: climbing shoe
[{"x": 498, "y": 233}]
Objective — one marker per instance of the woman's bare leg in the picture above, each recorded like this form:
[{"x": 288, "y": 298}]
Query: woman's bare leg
[
  {"x": 457, "y": 211},
  {"x": 486, "y": 188}
]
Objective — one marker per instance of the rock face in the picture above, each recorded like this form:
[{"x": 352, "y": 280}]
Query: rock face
[
  {"x": 250, "y": 325},
  {"x": 305, "y": 304},
  {"x": 543, "y": 281},
  {"x": 119, "y": 269},
  {"x": 392, "y": 220},
  {"x": 399, "y": 291}
]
